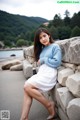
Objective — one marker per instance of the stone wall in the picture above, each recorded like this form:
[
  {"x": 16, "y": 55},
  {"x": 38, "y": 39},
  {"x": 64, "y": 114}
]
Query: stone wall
[{"x": 66, "y": 93}]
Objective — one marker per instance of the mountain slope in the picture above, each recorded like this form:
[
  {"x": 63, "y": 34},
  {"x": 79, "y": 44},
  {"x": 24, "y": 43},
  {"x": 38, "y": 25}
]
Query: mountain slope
[{"x": 14, "y": 25}]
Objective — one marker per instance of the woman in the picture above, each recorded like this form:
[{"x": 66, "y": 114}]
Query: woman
[{"x": 48, "y": 56}]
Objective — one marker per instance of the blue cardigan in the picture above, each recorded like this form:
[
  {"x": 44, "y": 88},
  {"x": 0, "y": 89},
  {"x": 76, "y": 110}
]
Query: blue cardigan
[{"x": 51, "y": 55}]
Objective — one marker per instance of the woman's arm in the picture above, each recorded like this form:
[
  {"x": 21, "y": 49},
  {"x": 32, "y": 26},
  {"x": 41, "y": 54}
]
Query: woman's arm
[{"x": 55, "y": 60}]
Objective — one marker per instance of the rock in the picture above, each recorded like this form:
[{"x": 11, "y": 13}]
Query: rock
[
  {"x": 29, "y": 54},
  {"x": 70, "y": 50},
  {"x": 73, "y": 84},
  {"x": 69, "y": 65},
  {"x": 16, "y": 67},
  {"x": 73, "y": 109},
  {"x": 60, "y": 68},
  {"x": 63, "y": 75},
  {"x": 53, "y": 92},
  {"x": 8, "y": 64},
  {"x": 63, "y": 97},
  {"x": 1, "y": 44},
  {"x": 12, "y": 55},
  {"x": 27, "y": 69},
  {"x": 62, "y": 114},
  {"x": 78, "y": 68}
]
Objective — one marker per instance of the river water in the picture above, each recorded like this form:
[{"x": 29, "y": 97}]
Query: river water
[{"x": 7, "y": 54}]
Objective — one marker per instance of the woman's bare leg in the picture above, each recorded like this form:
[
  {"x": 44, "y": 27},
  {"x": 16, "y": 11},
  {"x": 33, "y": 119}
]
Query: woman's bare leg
[
  {"x": 26, "y": 106},
  {"x": 36, "y": 94}
]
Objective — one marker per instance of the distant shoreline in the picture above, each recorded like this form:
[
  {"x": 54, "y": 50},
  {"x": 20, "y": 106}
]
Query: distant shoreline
[
  {"x": 9, "y": 58},
  {"x": 9, "y": 49},
  {"x": 10, "y": 54}
]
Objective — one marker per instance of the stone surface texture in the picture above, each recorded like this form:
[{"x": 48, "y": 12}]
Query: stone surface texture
[{"x": 66, "y": 93}]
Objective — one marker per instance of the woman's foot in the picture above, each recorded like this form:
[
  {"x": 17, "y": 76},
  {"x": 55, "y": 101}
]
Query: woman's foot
[
  {"x": 52, "y": 117},
  {"x": 51, "y": 109}
]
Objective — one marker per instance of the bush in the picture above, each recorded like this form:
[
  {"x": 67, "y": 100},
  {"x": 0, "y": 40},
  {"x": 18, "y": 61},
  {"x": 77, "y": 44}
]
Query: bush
[{"x": 21, "y": 42}]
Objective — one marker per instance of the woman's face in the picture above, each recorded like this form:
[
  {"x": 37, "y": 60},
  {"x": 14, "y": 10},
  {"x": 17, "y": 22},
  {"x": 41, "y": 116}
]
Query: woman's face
[{"x": 44, "y": 38}]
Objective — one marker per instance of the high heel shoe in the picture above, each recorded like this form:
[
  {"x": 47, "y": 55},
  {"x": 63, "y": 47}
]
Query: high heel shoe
[{"x": 52, "y": 117}]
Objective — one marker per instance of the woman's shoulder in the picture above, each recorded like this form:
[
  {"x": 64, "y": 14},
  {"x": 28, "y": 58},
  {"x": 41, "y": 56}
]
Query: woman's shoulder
[{"x": 55, "y": 45}]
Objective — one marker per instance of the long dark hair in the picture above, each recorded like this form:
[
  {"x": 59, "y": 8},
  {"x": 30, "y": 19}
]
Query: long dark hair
[{"x": 37, "y": 45}]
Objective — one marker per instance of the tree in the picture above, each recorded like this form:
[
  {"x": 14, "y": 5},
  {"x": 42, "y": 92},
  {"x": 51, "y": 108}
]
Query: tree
[
  {"x": 64, "y": 32},
  {"x": 75, "y": 20},
  {"x": 21, "y": 42},
  {"x": 54, "y": 32},
  {"x": 57, "y": 21},
  {"x": 75, "y": 32},
  {"x": 7, "y": 43},
  {"x": 67, "y": 21},
  {"x": 67, "y": 18},
  {"x": 66, "y": 13}
]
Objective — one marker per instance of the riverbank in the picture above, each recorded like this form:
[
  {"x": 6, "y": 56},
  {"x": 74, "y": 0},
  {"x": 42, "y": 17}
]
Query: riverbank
[
  {"x": 10, "y": 54},
  {"x": 8, "y": 49}
]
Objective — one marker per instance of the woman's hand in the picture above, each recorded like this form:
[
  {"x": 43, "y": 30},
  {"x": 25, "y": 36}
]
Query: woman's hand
[{"x": 38, "y": 62}]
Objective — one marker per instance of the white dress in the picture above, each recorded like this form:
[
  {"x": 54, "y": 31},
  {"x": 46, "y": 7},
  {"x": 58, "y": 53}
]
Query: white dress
[{"x": 45, "y": 79}]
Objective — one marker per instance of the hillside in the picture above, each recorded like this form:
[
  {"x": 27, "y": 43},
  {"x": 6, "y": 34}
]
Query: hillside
[{"x": 12, "y": 26}]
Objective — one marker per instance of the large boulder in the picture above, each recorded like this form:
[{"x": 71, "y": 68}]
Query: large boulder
[
  {"x": 7, "y": 65},
  {"x": 73, "y": 84},
  {"x": 73, "y": 109},
  {"x": 63, "y": 97},
  {"x": 18, "y": 67},
  {"x": 29, "y": 54},
  {"x": 27, "y": 69},
  {"x": 63, "y": 75},
  {"x": 70, "y": 50}
]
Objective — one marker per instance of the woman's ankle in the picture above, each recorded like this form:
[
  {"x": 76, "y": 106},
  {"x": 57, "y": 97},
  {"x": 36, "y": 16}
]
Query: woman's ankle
[
  {"x": 23, "y": 118},
  {"x": 51, "y": 108}
]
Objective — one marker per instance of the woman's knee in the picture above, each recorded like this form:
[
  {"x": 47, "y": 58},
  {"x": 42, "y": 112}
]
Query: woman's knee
[{"x": 26, "y": 87}]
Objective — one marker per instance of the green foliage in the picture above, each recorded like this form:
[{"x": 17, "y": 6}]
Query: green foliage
[
  {"x": 64, "y": 32},
  {"x": 13, "y": 27},
  {"x": 75, "y": 20},
  {"x": 16, "y": 30},
  {"x": 21, "y": 42},
  {"x": 63, "y": 28},
  {"x": 67, "y": 21},
  {"x": 57, "y": 21},
  {"x": 75, "y": 31},
  {"x": 54, "y": 32},
  {"x": 7, "y": 43}
]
